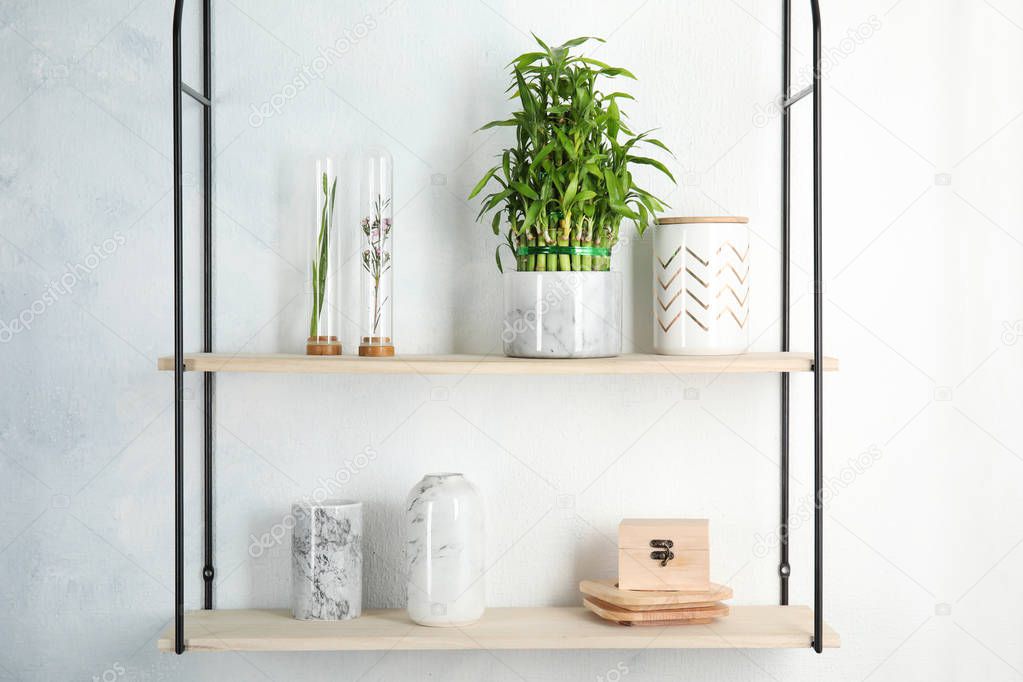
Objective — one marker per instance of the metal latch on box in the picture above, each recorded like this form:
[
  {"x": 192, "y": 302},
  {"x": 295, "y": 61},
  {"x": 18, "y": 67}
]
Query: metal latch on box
[{"x": 664, "y": 555}]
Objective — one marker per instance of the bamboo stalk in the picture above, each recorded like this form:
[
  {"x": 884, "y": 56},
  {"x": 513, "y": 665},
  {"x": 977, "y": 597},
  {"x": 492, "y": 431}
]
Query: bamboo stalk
[
  {"x": 587, "y": 260},
  {"x": 564, "y": 260}
]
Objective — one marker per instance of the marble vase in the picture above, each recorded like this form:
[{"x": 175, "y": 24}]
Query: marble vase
[
  {"x": 326, "y": 560},
  {"x": 444, "y": 551},
  {"x": 562, "y": 314}
]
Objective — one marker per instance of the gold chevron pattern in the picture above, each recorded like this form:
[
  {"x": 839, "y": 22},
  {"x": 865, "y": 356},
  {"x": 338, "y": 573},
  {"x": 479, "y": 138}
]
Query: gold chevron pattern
[
  {"x": 671, "y": 324},
  {"x": 665, "y": 285},
  {"x": 729, "y": 289},
  {"x": 729, "y": 244},
  {"x": 705, "y": 306},
  {"x": 697, "y": 321},
  {"x": 697, "y": 278},
  {"x": 666, "y": 288},
  {"x": 665, "y": 306},
  {"x": 728, "y": 266},
  {"x": 665, "y": 264},
  {"x": 704, "y": 263},
  {"x": 716, "y": 285}
]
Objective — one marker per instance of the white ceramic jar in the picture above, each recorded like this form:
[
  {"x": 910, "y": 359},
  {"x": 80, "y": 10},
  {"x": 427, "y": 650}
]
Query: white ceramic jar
[
  {"x": 562, "y": 314},
  {"x": 444, "y": 551},
  {"x": 701, "y": 285}
]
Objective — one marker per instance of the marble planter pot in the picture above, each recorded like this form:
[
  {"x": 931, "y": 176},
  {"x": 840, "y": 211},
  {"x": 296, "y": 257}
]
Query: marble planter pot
[
  {"x": 562, "y": 314},
  {"x": 326, "y": 560},
  {"x": 444, "y": 551},
  {"x": 701, "y": 286}
]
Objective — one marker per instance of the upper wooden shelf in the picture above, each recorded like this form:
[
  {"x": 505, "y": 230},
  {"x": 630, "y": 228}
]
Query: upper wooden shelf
[
  {"x": 498, "y": 364},
  {"x": 748, "y": 627}
]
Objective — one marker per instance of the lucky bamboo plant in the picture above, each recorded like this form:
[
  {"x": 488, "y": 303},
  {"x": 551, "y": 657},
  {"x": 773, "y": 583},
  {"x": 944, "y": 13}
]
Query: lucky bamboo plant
[{"x": 565, "y": 187}]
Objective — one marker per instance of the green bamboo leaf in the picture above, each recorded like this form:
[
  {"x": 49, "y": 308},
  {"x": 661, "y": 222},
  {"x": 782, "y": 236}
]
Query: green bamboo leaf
[
  {"x": 531, "y": 214},
  {"x": 483, "y": 182},
  {"x": 658, "y": 143},
  {"x": 525, "y": 60},
  {"x": 525, "y": 94},
  {"x": 570, "y": 192},
  {"x": 613, "y": 188},
  {"x": 566, "y": 144},
  {"x": 525, "y": 190},
  {"x": 615, "y": 71},
  {"x": 538, "y": 159},
  {"x": 576, "y": 42},
  {"x": 495, "y": 199},
  {"x": 496, "y": 223},
  {"x": 652, "y": 162},
  {"x": 623, "y": 210},
  {"x": 613, "y": 120},
  {"x": 495, "y": 124},
  {"x": 594, "y": 62}
]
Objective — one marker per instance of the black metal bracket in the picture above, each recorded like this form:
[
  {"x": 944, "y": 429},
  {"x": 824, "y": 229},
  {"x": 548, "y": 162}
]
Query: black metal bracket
[
  {"x": 205, "y": 99},
  {"x": 788, "y": 99}
]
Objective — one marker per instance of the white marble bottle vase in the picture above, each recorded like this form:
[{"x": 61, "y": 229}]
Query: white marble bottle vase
[
  {"x": 562, "y": 314},
  {"x": 444, "y": 551},
  {"x": 326, "y": 560}
]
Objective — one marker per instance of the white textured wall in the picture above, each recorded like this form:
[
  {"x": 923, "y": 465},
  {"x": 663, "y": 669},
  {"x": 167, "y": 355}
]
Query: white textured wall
[{"x": 922, "y": 266}]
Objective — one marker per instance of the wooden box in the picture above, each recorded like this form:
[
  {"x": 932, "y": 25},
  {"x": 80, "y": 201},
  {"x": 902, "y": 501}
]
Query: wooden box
[{"x": 664, "y": 554}]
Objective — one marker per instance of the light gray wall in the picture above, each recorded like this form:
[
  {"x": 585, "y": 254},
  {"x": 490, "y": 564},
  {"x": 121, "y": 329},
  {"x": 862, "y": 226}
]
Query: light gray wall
[{"x": 922, "y": 274}]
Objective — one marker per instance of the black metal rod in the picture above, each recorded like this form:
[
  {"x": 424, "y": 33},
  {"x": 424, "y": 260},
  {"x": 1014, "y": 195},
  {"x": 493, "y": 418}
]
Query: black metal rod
[
  {"x": 818, "y": 345},
  {"x": 207, "y": 300},
  {"x": 179, "y": 345},
  {"x": 784, "y": 568},
  {"x": 197, "y": 96}
]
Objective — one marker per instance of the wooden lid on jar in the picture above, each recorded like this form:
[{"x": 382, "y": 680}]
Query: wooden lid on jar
[{"x": 688, "y": 220}]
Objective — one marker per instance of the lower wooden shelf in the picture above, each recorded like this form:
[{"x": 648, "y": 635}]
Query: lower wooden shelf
[{"x": 748, "y": 627}]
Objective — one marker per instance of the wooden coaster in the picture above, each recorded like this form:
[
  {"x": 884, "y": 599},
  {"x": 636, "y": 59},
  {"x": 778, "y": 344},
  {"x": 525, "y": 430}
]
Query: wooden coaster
[
  {"x": 678, "y": 616},
  {"x": 647, "y": 600},
  {"x": 694, "y": 621}
]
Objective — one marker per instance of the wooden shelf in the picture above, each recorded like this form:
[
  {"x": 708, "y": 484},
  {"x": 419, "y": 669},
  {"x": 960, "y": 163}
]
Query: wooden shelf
[
  {"x": 748, "y": 627},
  {"x": 498, "y": 364}
]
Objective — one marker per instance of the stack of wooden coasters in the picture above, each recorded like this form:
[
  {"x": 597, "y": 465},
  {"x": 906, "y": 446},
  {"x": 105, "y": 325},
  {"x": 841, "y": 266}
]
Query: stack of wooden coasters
[{"x": 651, "y": 607}]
